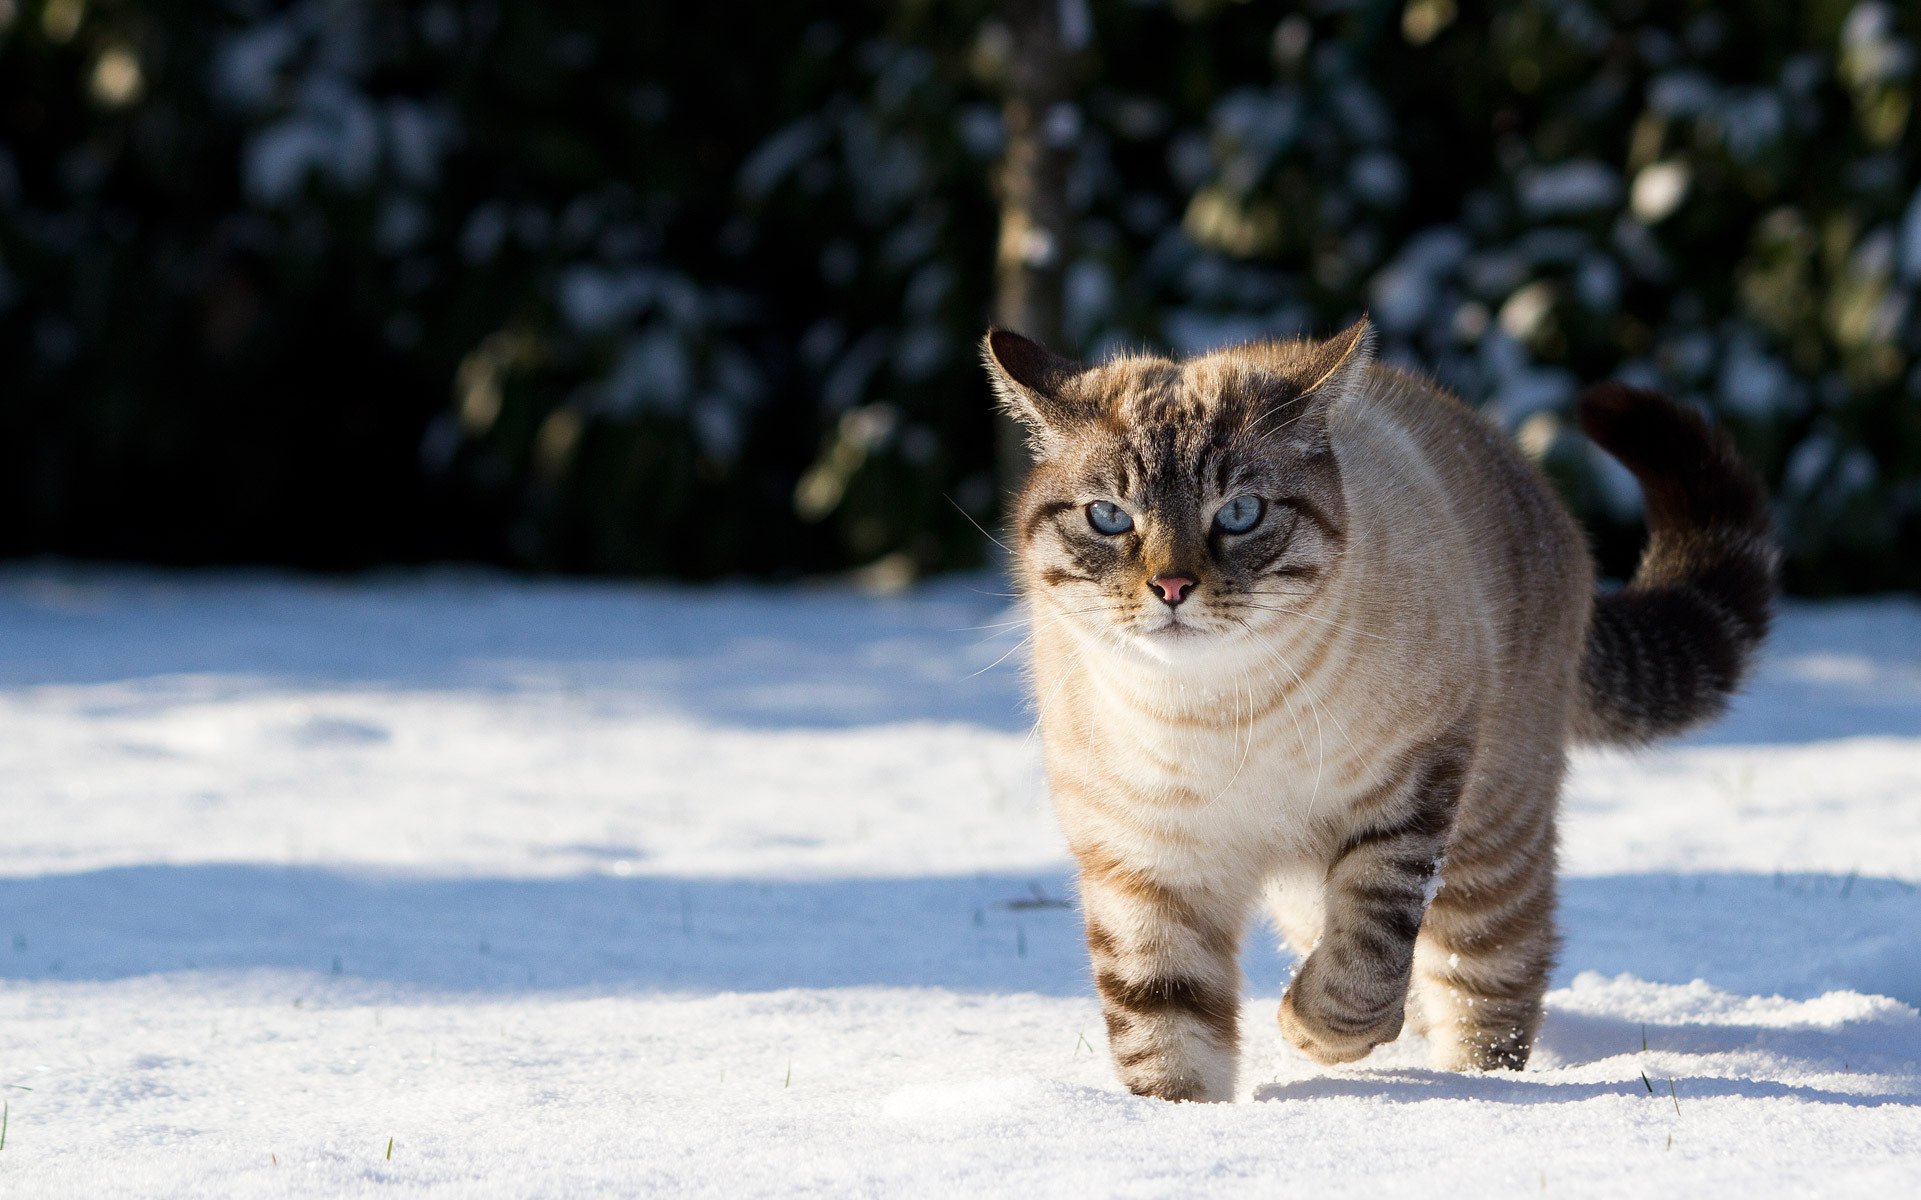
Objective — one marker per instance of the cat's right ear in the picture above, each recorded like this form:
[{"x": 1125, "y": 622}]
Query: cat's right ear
[{"x": 1034, "y": 384}]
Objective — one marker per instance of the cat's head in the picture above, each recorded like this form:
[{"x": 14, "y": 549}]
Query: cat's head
[{"x": 1175, "y": 507}]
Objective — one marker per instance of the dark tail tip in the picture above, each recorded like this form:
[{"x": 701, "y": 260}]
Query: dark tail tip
[{"x": 1664, "y": 652}]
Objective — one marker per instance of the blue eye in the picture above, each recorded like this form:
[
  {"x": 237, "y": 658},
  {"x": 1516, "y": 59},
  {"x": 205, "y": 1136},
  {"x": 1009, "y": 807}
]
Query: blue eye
[
  {"x": 1240, "y": 514},
  {"x": 1109, "y": 518}
]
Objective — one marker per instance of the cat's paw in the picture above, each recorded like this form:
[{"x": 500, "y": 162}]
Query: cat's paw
[
  {"x": 1188, "y": 1090},
  {"x": 1194, "y": 1072},
  {"x": 1325, "y": 1031}
]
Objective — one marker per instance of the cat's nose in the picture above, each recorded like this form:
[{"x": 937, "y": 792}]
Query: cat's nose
[{"x": 1173, "y": 588}]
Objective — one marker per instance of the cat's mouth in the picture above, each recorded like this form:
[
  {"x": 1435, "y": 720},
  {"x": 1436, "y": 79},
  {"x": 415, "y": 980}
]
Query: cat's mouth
[{"x": 1173, "y": 627}]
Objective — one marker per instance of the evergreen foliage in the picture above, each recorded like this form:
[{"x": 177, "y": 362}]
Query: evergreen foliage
[{"x": 695, "y": 289}]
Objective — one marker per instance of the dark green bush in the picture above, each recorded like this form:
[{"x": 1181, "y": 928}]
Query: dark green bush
[{"x": 694, "y": 288}]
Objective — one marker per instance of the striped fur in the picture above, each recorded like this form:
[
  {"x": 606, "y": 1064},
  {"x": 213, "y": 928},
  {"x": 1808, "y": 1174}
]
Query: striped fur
[
  {"x": 1358, "y": 711},
  {"x": 1702, "y": 595}
]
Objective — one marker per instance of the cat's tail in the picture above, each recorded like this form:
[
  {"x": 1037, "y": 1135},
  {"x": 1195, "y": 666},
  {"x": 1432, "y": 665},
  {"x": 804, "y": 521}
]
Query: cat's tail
[{"x": 1664, "y": 652}]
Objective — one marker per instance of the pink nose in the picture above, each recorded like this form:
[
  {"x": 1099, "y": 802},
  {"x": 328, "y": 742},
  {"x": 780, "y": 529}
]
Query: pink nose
[{"x": 1173, "y": 588}]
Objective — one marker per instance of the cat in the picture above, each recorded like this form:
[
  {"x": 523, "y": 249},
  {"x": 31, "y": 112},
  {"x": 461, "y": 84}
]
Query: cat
[{"x": 1309, "y": 629}]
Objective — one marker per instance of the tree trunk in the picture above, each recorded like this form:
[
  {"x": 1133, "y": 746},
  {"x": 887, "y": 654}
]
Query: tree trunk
[{"x": 1036, "y": 223}]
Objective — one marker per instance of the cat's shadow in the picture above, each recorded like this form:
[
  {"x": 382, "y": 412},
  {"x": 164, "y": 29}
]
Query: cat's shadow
[
  {"x": 1573, "y": 1040},
  {"x": 403, "y": 938},
  {"x": 1798, "y": 936},
  {"x": 1413, "y": 1086}
]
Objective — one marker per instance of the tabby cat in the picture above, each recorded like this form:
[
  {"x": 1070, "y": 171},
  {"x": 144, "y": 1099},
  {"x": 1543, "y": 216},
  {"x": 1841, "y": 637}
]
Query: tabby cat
[{"x": 1308, "y": 630}]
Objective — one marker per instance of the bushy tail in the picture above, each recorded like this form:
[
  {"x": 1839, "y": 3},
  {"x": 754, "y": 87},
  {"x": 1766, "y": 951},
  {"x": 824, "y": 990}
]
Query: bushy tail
[{"x": 1664, "y": 653}]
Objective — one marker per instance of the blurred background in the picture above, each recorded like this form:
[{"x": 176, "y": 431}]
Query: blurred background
[{"x": 694, "y": 289}]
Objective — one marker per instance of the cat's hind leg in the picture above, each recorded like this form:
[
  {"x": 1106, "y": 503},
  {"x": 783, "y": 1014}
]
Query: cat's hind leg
[{"x": 1488, "y": 941}]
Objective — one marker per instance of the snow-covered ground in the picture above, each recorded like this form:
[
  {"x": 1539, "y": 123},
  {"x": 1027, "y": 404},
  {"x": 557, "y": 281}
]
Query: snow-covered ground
[{"x": 452, "y": 886}]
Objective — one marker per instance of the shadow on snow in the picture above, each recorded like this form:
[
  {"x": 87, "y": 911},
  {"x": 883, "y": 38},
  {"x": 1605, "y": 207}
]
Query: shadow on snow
[
  {"x": 1791, "y": 935},
  {"x": 409, "y": 938}
]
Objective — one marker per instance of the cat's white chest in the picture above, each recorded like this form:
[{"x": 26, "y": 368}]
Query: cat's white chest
[{"x": 1261, "y": 766}]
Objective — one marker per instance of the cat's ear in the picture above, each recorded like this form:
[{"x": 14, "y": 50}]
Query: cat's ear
[
  {"x": 1336, "y": 366},
  {"x": 1034, "y": 384},
  {"x": 1322, "y": 374}
]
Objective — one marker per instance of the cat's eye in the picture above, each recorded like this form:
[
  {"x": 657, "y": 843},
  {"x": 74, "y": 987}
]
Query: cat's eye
[
  {"x": 1109, "y": 518},
  {"x": 1240, "y": 514}
]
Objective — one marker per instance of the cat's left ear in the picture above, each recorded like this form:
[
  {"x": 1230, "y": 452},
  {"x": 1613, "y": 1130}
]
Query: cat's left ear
[
  {"x": 1325, "y": 374},
  {"x": 1336, "y": 366},
  {"x": 1036, "y": 386}
]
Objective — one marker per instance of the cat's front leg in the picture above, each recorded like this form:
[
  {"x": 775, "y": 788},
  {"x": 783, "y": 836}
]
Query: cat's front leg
[
  {"x": 1165, "y": 965},
  {"x": 1351, "y": 993}
]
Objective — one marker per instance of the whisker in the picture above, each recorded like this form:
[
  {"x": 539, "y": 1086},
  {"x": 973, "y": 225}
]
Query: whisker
[
  {"x": 1320, "y": 734},
  {"x": 1026, "y": 621},
  {"x": 1339, "y": 726},
  {"x": 1015, "y": 648},
  {"x": 976, "y": 524},
  {"x": 1247, "y": 748},
  {"x": 1320, "y": 737},
  {"x": 1040, "y": 712},
  {"x": 995, "y": 625},
  {"x": 1295, "y": 612}
]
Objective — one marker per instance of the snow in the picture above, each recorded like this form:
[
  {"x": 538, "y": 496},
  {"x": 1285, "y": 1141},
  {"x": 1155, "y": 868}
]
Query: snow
[
  {"x": 1753, "y": 382},
  {"x": 1910, "y": 239},
  {"x": 248, "y": 63},
  {"x": 339, "y": 138},
  {"x": 1521, "y": 394},
  {"x": 595, "y": 299},
  {"x": 576, "y": 889},
  {"x": 1378, "y": 178},
  {"x": 1566, "y": 188},
  {"x": 1658, "y": 190},
  {"x": 781, "y": 155},
  {"x": 1404, "y": 293},
  {"x": 653, "y": 371},
  {"x": 1682, "y": 93},
  {"x": 1872, "y": 51}
]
